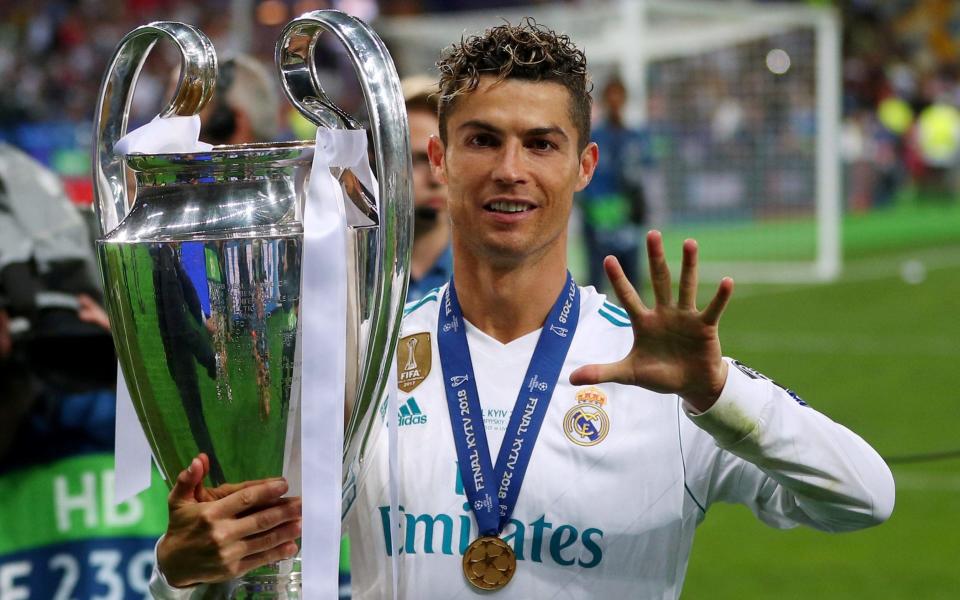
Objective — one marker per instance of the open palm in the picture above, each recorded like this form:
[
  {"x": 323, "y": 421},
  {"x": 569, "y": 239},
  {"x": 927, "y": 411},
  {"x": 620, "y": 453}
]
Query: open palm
[{"x": 676, "y": 348}]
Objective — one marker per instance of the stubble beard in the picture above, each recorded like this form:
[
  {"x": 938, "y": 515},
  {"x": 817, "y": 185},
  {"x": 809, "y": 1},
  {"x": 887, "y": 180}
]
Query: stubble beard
[{"x": 510, "y": 253}]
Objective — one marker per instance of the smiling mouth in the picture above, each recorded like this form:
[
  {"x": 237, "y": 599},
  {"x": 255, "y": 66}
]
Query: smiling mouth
[{"x": 508, "y": 207}]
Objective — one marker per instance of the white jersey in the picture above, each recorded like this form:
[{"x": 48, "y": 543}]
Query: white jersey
[{"x": 618, "y": 480}]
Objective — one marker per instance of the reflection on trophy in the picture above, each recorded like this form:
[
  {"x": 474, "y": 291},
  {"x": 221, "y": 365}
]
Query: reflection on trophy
[{"x": 202, "y": 264}]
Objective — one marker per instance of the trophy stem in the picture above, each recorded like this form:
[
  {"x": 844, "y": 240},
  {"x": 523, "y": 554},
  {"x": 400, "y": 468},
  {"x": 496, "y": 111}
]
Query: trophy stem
[{"x": 276, "y": 581}]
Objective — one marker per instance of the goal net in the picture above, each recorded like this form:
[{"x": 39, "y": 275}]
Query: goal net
[{"x": 740, "y": 103}]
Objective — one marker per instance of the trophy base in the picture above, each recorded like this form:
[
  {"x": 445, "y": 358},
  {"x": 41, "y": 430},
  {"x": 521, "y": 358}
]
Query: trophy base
[{"x": 276, "y": 581}]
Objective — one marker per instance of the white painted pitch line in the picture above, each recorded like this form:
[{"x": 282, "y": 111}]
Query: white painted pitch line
[
  {"x": 934, "y": 482},
  {"x": 868, "y": 269}
]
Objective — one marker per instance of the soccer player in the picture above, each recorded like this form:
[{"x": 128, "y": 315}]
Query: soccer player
[{"x": 563, "y": 446}]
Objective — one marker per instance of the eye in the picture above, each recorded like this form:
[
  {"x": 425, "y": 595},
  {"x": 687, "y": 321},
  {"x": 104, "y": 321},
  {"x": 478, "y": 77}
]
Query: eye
[
  {"x": 482, "y": 140},
  {"x": 542, "y": 144}
]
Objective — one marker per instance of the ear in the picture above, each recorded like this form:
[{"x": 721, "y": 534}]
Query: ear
[
  {"x": 438, "y": 163},
  {"x": 588, "y": 164}
]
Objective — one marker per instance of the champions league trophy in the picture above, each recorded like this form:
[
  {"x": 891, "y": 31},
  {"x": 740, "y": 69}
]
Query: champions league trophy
[{"x": 201, "y": 262}]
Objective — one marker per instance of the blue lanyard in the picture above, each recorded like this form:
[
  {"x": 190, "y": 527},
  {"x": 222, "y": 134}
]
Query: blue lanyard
[{"x": 493, "y": 491}]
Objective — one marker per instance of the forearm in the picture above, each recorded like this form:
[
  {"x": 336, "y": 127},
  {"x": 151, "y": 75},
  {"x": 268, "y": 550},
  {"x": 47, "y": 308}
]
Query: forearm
[{"x": 824, "y": 470}]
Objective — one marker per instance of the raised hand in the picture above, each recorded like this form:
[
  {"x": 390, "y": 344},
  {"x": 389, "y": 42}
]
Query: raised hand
[
  {"x": 217, "y": 534},
  {"x": 676, "y": 349}
]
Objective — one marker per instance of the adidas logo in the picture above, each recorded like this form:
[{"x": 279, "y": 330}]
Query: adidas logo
[{"x": 410, "y": 413}]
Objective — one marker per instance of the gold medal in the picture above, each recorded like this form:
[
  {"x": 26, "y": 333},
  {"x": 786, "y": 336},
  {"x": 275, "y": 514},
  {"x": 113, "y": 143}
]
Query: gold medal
[{"x": 489, "y": 563}]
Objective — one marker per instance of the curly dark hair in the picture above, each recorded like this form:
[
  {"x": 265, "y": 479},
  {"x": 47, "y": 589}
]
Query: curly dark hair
[{"x": 527, "y": 51}]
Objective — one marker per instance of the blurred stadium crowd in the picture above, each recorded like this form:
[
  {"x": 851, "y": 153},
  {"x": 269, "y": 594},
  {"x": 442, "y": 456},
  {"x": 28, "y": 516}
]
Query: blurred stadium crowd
[
  {"x": 901, "y": 93},
  {"x": 53, "y": 54},
  {"x": 901, "y": 81}
]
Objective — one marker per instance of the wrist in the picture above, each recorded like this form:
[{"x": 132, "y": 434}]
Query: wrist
[
  {"x": 704, "y": 398},
  {"x": 165, "y": 565}
]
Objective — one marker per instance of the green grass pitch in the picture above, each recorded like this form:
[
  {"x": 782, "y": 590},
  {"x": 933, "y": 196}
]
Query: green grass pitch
[{"x": 881, "y": 356}]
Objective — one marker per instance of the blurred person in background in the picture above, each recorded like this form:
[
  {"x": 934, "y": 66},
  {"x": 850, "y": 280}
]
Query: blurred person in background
[
  {"x": 613, "y": 205},
  {"x": 63, "y": 535},
  {"x": 431, "y": 261},
  {"x": 245, "y": 105}
]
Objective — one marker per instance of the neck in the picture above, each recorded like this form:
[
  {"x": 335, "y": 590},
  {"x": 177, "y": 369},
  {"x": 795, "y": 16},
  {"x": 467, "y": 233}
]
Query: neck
[
  {"x": 508, "y": 302},
  {"x": 428, "y": 246}
]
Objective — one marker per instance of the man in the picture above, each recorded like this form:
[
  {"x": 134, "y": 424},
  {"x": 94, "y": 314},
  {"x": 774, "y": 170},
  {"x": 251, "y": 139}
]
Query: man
[
  {"x": 244, "y": 107},
  {"x": 431, "y": 261},
  {"x": 624, "y": 428},
  {"x": 613, "y": 204}
]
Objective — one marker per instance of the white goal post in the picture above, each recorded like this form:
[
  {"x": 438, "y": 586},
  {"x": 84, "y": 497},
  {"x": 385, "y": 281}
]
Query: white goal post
[{"x": 741, "y": 102}]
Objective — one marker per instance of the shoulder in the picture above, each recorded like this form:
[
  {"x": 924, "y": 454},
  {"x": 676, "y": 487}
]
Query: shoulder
[
  {"x": 604, "y": 333},
  {"x": 422, "y": 313},
  {"x": 597, "y": 312}
]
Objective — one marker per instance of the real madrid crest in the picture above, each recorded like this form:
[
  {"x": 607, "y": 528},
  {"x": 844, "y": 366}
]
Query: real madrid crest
[
  {"x": 414, "y": 356},
  {"x": 586, "y": 424}
]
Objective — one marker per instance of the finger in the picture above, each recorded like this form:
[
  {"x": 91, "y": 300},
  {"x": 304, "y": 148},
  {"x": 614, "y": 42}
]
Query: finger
[
  {"x": 186, "y": 484},
  {"x": 262, "y": 542},
  {"x": 618, "y": 372},
  {"x": 286, "y": 550},
  {"x": 285, "y": 511},
  {"x": 199, "y": 492},
  {"x": 659, "y": 273},
  {"x": 688, "y": 276},
  {"x": 250, "y": 498},
  {"x": 222, "y": 491},
  {"x": 622, "y": 287},
  {"x": 711, "y": 314}
]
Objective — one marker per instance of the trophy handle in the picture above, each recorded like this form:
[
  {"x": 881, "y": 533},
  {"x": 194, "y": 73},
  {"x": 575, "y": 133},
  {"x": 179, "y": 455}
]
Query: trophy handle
[
  {"x": 391, "y": 145},
  {"x": 198, "y": 74}
]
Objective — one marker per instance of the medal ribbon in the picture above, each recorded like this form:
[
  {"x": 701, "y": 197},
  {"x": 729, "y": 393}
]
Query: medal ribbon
[{"x": 493, "y": 489}]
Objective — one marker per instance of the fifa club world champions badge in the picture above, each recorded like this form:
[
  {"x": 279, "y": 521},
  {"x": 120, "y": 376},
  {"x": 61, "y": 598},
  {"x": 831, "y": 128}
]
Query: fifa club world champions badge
[
  {"x": 587, "y": 424},
  {"x": 414, "y": 357}
]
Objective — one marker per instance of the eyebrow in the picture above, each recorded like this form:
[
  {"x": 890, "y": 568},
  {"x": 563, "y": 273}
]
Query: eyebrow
[{"x": 536, "y": 131}]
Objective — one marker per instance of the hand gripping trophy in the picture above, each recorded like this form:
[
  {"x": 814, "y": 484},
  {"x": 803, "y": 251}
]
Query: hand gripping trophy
[{"x": 203, "y": 261}]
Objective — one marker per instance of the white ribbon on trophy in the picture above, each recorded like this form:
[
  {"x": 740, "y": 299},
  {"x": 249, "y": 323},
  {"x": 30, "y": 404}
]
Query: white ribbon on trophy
[
  {"x": 323, "y": 372},
  {"x": 324, "y": 342},
  {"x": 131, "y": 450}
]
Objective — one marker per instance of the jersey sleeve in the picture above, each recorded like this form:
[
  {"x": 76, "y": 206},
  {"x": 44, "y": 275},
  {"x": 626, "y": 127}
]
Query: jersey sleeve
[{"x": 760, "y": 445}]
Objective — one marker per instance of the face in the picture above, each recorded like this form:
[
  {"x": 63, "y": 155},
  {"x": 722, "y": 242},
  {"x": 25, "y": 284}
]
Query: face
[
  {"x": 429, "y": 193},
  {"x": 512, "y": 166},
  {"x": 615, "y": 97}
]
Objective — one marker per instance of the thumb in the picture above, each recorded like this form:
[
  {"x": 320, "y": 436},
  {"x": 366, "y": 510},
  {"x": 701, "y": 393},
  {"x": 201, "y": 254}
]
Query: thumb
[
  {"x": 601, "y": 373},
  {"x": 187, "y": 481}
]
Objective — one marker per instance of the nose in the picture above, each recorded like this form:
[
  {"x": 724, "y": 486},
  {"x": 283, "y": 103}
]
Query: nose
[{"x": 509, "y": 167}]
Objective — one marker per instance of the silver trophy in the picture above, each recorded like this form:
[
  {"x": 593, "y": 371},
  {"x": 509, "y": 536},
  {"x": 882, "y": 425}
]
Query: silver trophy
[{"x": 201, "y": 261}]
